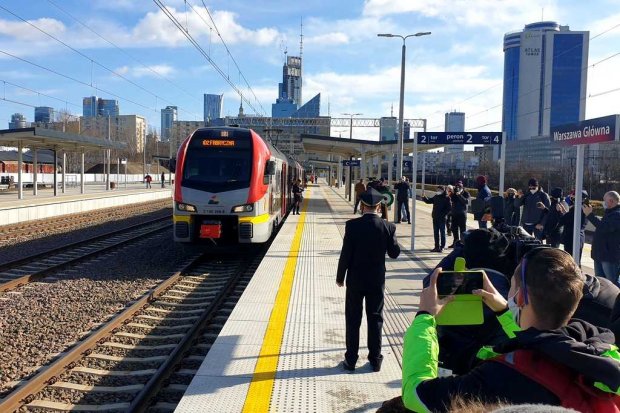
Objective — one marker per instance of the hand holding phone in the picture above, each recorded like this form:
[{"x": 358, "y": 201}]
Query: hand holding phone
[
  {"x": 459, "y": 282},
  {"x": 429, "y": 299},
  {"x": 465, "y": 308},
  {"x": 490, "y": 296}
]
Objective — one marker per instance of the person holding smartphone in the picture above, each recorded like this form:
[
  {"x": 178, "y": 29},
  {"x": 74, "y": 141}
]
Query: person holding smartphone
[
  {"x": 543, "y": 347},
  {"x": 567, "y": 220}
]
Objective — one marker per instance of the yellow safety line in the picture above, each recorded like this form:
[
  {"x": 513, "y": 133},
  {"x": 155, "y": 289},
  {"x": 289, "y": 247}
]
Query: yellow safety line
[{"x": 261, "y": 387}]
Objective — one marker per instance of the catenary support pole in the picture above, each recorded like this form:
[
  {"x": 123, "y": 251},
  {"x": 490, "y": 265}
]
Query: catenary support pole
[
  {"x": 502, "y": 165},
  {"x": 20, "y": 188},
  {"x": 578, "y": 200},
  {"x": 35, "y": 167}
]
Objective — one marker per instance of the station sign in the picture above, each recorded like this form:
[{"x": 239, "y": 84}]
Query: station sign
[
  {"x": 597, "y": 130},
  {"x": 351, "y": 162},
  {"x": 459, "y": 138}
]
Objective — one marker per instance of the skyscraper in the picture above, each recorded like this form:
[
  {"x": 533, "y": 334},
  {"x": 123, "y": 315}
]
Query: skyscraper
[
  {"x": 544, "y": 79},
  {"x": 454, "y": 122},
  {"x": 93, "y": 106},
  {"x": 107, "y": 107},
  {"x": 388, "y": 129},
  {"x": 43, "y": 114},
  {"x": 213, "y": 105},
  {"x": 168, "y": 115},
  {"x": 18, "y": 121},
  {"x": 89, "y": 106},
  {"x": 289, "y": 91},
  {"x": 291, "y": 79}
]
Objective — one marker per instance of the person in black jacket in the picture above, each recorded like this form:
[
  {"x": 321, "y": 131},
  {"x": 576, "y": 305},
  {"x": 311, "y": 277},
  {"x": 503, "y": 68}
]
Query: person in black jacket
[
  {"x": 567, "y": 220},
  {"x": 460, "y": 200},
  {"x": 512, "y": 213},
  {"x": 606, "y": 243},
  {"x": 532, "y": 217},
  {"x": 402, "y": 197},
  {"x": 540, "y": 339},
  {"x": 552, "y": 230},
  {"x": 362, "y": 262},
  {"x": 297, "y": 196},
  {"x": 484, "y": 195},
  {"x": 441, "y": 208}
]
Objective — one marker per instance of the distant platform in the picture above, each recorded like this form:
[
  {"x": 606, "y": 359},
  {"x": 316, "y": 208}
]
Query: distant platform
[{"x": 46, "y": 205}]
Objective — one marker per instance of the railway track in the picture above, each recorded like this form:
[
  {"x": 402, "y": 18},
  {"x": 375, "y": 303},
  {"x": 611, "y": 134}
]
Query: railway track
[
  {"x": 24, "y": 270},
  {"x": 67, "y": 222},
  {"x": 144, "y": 357}
]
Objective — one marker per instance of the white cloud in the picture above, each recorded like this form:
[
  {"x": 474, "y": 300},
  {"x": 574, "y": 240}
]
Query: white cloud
[
  {"x": 26, "y": 33},
  {"x": 603, "y": 88},
  {"x": 489, "y": 13},
  {"x": 344, "y": 31},
  {"x": 156, "y": 29},
  {"x": 330, "y": 39},
  {"x": 431, "y": 90},
  {"x": 148, "y": 71},
  {"x": 601, "y": 25}
]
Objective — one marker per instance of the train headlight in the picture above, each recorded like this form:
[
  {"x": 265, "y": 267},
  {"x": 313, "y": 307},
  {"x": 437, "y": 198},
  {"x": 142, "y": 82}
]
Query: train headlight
[
  {"x": 243, "y": 208},
  {"x": 186, "y": 207}
]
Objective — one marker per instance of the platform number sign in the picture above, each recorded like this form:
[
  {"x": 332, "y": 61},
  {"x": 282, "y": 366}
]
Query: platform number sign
[{"x": 459, "y": 138}]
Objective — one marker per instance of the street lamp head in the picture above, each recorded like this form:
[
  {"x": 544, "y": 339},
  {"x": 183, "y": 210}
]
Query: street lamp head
[
  {"x": 385, "y": 35},
  {"x": 422, "y": 34}
]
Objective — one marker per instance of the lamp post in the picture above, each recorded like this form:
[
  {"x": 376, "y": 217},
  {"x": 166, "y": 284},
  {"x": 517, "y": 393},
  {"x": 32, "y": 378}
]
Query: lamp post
[
  {"x": 348, "y": 189},
  {"x": 399, "y": 166}
]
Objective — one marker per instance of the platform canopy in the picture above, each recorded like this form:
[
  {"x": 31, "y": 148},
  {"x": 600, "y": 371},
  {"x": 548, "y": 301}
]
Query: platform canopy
[
  {"x": 356, "y": 147},
  {"x": 53, "y": 139}
]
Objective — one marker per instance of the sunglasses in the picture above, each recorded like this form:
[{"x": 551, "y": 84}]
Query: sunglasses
[{"x": 527, "y": 257}]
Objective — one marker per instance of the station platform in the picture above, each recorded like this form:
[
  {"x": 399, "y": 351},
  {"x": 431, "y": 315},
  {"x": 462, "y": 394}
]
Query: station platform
[
  {"x": 282, "y": 347},
  {"x": 46, "y": 205}
]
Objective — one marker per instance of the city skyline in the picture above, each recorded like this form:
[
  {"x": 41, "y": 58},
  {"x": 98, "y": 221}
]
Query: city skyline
[{"x": 458, "y": 67}]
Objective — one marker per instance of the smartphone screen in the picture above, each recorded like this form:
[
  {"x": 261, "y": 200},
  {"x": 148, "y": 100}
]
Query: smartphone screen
[{"x": 457, "y": 282}]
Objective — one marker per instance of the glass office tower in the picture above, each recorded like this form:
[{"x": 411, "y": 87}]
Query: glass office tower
[{"x": 545, "y": 72}]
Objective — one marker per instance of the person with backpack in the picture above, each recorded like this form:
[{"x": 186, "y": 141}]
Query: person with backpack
[{"x": 546, "y": 358}]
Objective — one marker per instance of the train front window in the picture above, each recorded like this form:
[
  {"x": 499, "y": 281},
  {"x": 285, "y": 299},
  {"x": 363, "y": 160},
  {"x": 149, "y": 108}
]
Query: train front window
[{"x": 214, "y": 170}]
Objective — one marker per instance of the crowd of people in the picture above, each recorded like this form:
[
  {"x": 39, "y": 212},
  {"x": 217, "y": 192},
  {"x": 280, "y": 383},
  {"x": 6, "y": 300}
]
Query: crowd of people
[{"x": 550, "y": 331}]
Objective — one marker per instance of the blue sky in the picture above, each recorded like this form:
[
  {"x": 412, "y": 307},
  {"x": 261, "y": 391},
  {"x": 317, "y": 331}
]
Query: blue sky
[{"x": 458, "y": 67}]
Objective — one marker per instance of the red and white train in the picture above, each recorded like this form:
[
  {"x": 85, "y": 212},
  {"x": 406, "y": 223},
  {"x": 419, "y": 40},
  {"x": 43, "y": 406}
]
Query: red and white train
[{"x": 231, "y": 187}]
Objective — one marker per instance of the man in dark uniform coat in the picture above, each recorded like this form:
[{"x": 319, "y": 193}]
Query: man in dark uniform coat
[{"x": 362, "y": 259}]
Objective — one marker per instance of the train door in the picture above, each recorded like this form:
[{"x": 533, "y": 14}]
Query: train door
[{"x": 283, "y": 189}]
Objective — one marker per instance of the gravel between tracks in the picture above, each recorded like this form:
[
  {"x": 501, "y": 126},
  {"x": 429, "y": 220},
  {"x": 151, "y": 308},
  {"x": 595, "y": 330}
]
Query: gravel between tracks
[{"x": 46, "y": 317}]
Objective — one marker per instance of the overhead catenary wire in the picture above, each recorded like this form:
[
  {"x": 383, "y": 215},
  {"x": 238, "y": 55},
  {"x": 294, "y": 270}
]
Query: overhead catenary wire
[
  {"x": 147, "y": 67},
  {"x": 201, "y": 50},
  {"x": 76, "y": 80},
  {"x": 230, "y": 54},
  {"x": 92, "y": 60}
]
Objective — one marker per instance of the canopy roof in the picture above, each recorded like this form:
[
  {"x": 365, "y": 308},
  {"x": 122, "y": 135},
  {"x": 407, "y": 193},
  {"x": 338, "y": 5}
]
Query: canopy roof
[{"x": 49, "y": 138}]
